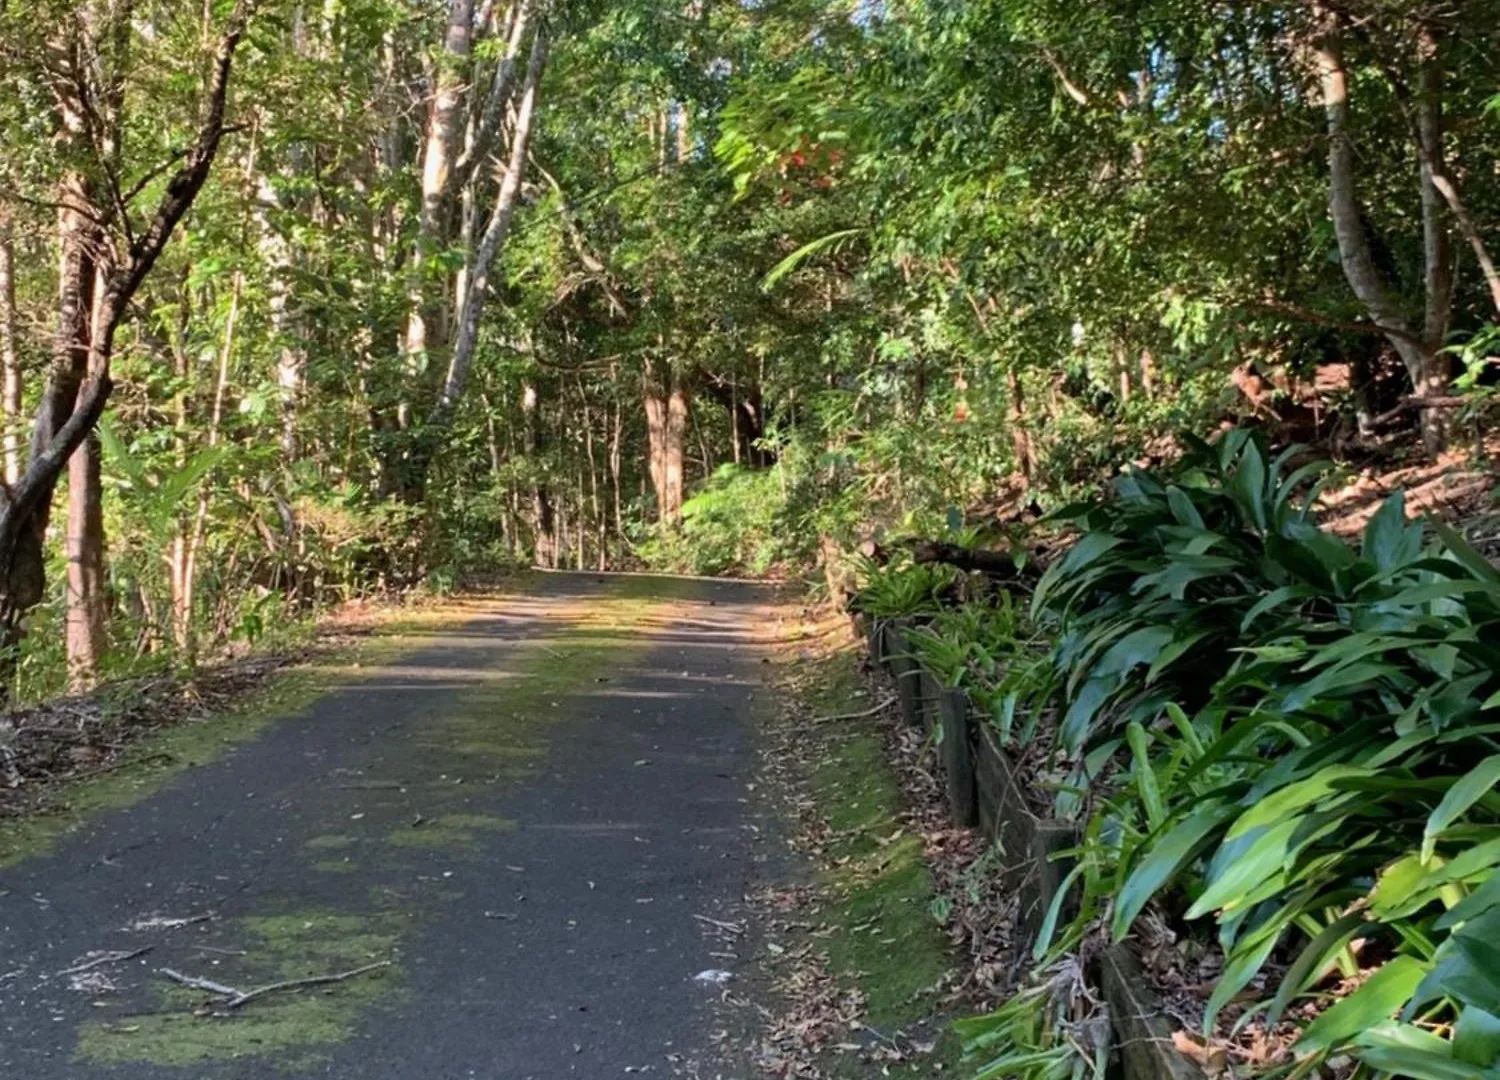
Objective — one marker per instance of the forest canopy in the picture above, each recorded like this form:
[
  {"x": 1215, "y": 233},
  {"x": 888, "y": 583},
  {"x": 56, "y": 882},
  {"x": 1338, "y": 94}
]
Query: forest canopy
[{"x": 301, "y": 300}]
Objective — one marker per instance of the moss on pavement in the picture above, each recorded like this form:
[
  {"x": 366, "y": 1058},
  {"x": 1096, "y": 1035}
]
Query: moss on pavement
[{"x": 879, "y": 933}]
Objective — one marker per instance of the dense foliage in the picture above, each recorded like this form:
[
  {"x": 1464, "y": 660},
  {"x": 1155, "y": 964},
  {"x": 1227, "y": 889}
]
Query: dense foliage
[
  {"x": 300, "y": 301},
  {"x": 1255, "y": 724},
  {"x": 715, "y": 286}
]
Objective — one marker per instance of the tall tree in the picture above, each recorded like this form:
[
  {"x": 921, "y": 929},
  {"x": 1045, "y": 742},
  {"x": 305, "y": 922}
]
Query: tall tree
[{"x": 107, "y": 252}]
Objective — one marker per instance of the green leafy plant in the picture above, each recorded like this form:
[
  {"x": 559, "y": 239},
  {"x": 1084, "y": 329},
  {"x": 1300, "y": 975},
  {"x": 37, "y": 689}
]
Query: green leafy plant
[
  {"x": 1047, "y": 1030},
  {"x": 1295, "y": 737},
  {"x": 903, "y": 588},
  {"x": 972, "y": 644}
]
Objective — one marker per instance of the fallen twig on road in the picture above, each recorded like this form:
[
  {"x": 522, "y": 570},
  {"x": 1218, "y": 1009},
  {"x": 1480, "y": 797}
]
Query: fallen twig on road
[
  {"x": 733, "y": 928},
  {"x": 871, "y": 711},
  {"x": 200, "y": 984},
  {"x": 118, "y": 957},
  {"x": 236, "y": 997},
  {"x": 160, "y": 922}
]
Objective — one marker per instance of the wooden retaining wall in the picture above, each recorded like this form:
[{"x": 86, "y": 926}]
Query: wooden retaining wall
[{"x": 985, "y": 790}]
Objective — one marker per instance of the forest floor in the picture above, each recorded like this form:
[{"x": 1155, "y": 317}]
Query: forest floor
[{"x": 535, "y": 834}]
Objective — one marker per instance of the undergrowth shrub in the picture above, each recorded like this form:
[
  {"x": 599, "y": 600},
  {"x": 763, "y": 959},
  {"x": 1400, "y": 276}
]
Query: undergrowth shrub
[
  {"x": 1283, "y": 745},
  {"x": 740, "y": 519}
]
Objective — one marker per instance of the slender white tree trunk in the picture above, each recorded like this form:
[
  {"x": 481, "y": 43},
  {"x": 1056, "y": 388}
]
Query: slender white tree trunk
[
  {"x": 496, "y": 232},
  {"x": 10, "y": 356}
]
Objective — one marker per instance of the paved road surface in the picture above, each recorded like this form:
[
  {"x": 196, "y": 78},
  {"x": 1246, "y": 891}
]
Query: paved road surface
[{"x": 525, "y": 817}]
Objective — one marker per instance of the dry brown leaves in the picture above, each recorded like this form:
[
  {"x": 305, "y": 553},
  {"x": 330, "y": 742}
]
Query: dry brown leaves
[
  {"x": 817, "y": 1015},
  {"x": 981, "y": 916},
  {"x": 814, "y": 1016},
  {"x": 1185, "y": 973}
]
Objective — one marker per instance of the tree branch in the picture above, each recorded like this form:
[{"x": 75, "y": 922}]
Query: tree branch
[
  {"x": 1295, "y": 311},
  {"x": 185, "y": 184},
  {"x": 1360, "y": 269},
  {"x": 1073, "y": 90},
  {"x": 495, "y": 235},
  {"x": 494, "y": 106}
]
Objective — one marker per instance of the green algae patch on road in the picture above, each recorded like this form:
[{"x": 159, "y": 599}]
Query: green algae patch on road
[
  {"x": 286, "y": 1027},
  {"x": 331, "y": 842},
  {"x": 501, "y": 724},
  {"x": 451, "y": 832}
]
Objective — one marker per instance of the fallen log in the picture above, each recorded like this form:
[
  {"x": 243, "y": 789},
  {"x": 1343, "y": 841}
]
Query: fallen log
[{"x": 970, "y": 560}]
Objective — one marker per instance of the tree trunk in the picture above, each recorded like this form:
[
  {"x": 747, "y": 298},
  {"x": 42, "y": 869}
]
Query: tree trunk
[
  {"x": 1424, "y": 365},
  {"x": 84, "y": 548},
  {"x": 616, "y": 465},
  {"x": 544, "y": 533},
  {"x": 747, "y": 422},
  {"x": 1020, "y": 435},
  {"x": 654, "y": 397},
  {"x": 495, "y": 234},
  {"x": 1437, "y": 247},
  {"x": 79, "y": 299},
  {"x": 666, "y": 401},
  {"x": 676, "y": 439},
  {"x": 291, "y": 351},
  {"x": 595, "y": 506},
  {"x": 10, "y": 357},
  {"x": 444, "y": 120}
]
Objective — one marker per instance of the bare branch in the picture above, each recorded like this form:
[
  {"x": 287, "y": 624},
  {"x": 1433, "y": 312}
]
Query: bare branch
[
  {"x": 237, "y": 997},
  {"x": 184, "y": 186},
  {"x": 1073, "y": 90},
  {"x": 495, "y": 235}
]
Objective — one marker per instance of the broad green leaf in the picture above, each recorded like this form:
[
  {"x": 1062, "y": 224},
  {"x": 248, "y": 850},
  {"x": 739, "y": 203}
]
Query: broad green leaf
[
  {"x": 1386, "y": 540},
  {"x": 1441, "y": 590},
  {"x": 1272, "y": 808},
  {"x": 1075, "y": 724},
  {"x": 1162, "y": 862},
  {"x": 813, "y": 247},
  {"x": 1242, "y": 864},
  {"x": 1469, "y": 789},
  {"x": 1377, "y": 999},
  {"x": 1145, "y": 775},
  {"x": 1340, "y": 678},
  {"x": 1353, "y": 646},
  {"x": 1249, "y": 485},
  {"x": 1048, "y": 928},
  {"x": 1275, "y": 599},
  {"x": 1466, "y": 968},
  {"x": 1287, "y": 488},
  {"x": 1134, "y": 649},
  {"x": 1459, "y": 548},
  {"x": 1416, "y": 1064},
  {"x": 1182, "y": 508},
  {"x": 1312, "y": 961},
  {"x": 1395, "y": 1035},
  {"x": 1474, "y": 905},
  {"x": 1476, "y": 1036},
  {"x": 1396, "y": 886},
  {"x": 1241, "y": 967},
  {"x": 1185, "y": 727},
  {"x": 1090, "y": 547}
]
